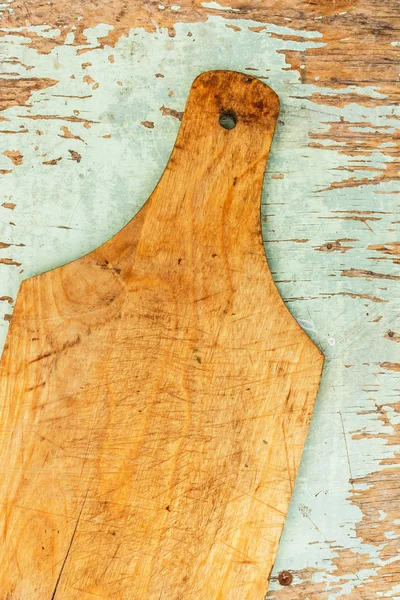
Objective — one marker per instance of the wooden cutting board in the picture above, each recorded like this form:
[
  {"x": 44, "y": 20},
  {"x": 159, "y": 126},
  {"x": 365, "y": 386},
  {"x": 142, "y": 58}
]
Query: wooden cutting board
[{"x": 156, "y": 393}]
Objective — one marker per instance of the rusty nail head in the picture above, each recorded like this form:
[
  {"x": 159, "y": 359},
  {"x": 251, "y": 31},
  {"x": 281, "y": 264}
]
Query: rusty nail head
[{"x": 285, "y": 578}]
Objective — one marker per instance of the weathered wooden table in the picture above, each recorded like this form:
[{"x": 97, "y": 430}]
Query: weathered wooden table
[{"x": 91, "y": 96}]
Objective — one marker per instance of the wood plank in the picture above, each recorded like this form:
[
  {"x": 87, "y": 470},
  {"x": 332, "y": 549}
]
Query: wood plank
[{"x": 92, "y": 99}]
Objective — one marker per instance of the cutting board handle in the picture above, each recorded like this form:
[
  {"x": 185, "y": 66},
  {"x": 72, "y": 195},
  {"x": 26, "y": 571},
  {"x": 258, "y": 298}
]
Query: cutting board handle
[{"x": 213, "y": 179}]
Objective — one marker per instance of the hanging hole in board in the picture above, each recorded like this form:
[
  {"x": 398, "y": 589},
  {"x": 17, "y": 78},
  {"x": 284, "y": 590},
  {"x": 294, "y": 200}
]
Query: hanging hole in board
[{"x": 228, "y": 119}]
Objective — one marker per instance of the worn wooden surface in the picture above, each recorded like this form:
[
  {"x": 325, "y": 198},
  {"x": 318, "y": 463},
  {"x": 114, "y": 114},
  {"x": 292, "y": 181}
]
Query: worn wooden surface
[
  {"x": 92, "y": 95},
  {"x": 155, "y": 395}
]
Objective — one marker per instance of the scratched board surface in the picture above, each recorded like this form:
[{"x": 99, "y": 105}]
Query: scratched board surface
[{"x": 91, "y": 95}]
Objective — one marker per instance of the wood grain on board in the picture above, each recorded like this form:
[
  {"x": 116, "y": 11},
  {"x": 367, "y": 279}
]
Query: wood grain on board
[{"x": 156, "y": 393}]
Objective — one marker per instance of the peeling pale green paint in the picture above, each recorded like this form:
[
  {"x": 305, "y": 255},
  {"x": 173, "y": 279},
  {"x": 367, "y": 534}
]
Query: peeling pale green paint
[{"x": 65, "y": 210}]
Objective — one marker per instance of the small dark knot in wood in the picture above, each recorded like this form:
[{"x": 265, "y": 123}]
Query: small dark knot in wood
[{"x": 285, "y": 578}]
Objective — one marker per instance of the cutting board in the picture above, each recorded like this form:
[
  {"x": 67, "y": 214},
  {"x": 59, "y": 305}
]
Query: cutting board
[{"x": 156, "y": 393}]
